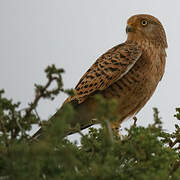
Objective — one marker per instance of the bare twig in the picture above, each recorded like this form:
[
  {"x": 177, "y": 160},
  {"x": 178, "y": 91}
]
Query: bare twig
[
  {"x": 38, "y": 96},
  {"x": 172, "y": 144},
  {"x": 135, "y": 120},
  {"x": 35, "y": 110}
]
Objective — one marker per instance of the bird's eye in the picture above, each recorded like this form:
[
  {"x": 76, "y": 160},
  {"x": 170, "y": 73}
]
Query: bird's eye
[{"x": 144, "y": 22}]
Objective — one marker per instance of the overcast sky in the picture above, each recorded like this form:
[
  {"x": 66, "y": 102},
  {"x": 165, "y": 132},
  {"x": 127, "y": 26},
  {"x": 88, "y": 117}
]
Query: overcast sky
[{"x": 72, "y": 34}]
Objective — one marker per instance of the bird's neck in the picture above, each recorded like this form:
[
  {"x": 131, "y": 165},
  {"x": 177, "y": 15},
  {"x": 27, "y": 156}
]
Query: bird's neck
[
  {"x": 146, "y": 45},
  {"x": 145, "y": 42}
]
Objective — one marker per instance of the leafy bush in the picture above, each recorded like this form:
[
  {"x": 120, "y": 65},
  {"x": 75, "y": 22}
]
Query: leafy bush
[{"x": 144, "y": 153}]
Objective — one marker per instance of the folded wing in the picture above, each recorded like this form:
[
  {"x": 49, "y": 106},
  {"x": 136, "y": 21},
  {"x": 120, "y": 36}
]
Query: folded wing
[{"x": 107, "y": 69}]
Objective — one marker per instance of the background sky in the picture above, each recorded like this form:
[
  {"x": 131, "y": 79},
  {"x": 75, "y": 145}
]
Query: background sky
[{"x": 72, "y": 34}]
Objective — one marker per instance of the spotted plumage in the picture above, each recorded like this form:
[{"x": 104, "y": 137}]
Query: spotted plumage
[
  {"x": 107, "y": 69},
  {"x": 129, "y": 72}
]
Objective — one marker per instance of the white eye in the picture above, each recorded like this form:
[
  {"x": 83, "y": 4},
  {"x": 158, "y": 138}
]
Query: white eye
[{"x": 144, "y": 22}]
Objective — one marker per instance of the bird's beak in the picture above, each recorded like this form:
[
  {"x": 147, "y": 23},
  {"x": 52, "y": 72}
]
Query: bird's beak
[{"x": 129, "y": 28}]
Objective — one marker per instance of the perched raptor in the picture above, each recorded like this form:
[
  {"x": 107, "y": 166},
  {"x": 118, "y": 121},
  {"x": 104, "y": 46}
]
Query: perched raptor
[{"x": 129, "y": 72}]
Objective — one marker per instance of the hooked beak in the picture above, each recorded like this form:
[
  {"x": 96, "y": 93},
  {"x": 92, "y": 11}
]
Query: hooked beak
[{"x": 129, "y": 29}]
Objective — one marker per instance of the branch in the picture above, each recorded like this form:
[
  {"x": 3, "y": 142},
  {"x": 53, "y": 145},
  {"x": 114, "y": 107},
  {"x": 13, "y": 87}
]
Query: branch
[
  {"x": 172, "y": 144},
  {"x": 38, "y": 96},
  {"x": 4, "y": 133}
]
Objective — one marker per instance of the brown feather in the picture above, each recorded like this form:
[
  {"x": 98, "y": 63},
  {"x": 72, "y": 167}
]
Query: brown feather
[
  {"x": 107, "y": 69},
  {"x": 129, "y": 72}
]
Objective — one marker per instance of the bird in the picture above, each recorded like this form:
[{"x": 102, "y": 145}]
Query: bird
[{"x": 129, "y": 72}]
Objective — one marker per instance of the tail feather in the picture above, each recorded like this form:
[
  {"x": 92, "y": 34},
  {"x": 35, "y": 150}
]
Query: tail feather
[{"x": 84, "y": 113}]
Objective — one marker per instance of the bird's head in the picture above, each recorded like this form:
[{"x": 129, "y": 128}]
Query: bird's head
[{"x": 143, "y": 27}]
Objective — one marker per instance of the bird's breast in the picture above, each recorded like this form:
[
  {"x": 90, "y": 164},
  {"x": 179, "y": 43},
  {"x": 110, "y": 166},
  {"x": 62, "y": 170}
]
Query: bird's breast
[{"x": 135, "y": 88}]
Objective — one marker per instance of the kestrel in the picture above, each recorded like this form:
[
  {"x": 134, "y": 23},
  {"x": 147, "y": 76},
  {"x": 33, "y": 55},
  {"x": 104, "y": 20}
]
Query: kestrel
[{"x": 129, "y": 72}]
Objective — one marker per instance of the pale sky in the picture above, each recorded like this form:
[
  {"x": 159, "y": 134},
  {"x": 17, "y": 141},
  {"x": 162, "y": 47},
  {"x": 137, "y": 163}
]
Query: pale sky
[{"x": 72, "y": 34}]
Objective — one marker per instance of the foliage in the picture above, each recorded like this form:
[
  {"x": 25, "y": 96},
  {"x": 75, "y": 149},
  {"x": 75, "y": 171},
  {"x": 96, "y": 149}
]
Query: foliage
[{"x": 144, "y": 153}]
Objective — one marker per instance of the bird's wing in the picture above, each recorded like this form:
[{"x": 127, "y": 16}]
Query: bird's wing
[{"x": 107, "y": 69}]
